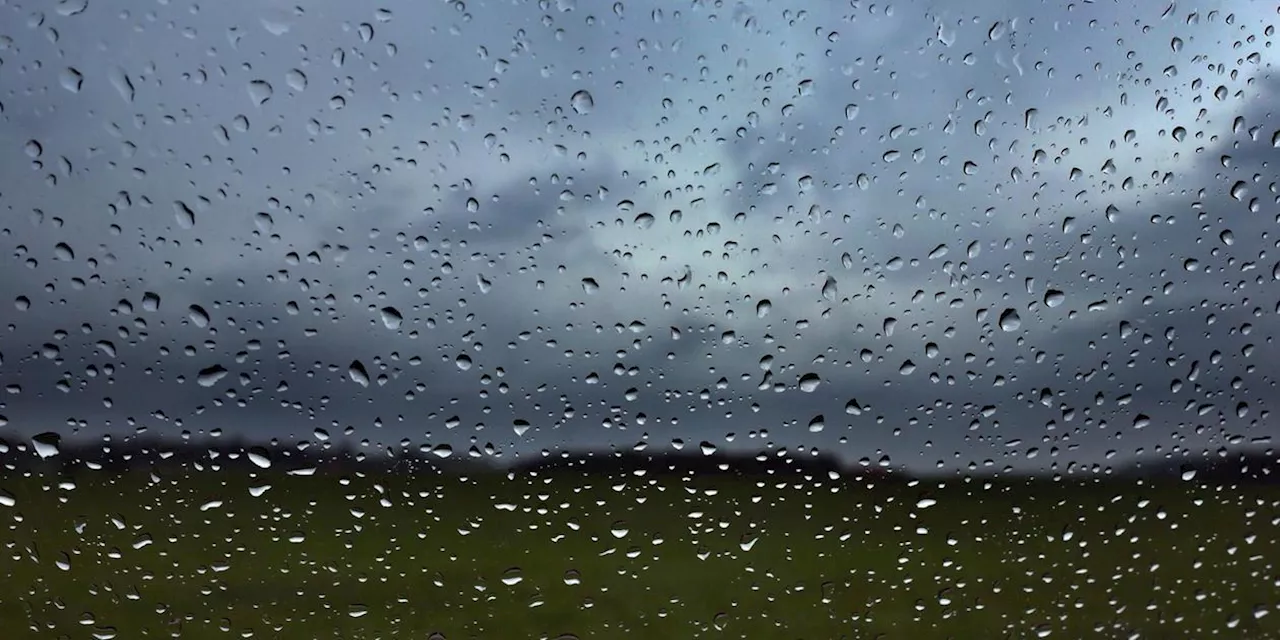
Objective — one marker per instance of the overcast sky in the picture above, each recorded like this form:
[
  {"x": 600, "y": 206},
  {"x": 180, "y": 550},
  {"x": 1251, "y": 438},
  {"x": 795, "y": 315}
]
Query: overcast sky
[{"x": 934, "y": 232}]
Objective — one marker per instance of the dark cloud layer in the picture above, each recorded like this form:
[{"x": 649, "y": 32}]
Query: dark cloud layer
[{"x": 754, "y": 195}]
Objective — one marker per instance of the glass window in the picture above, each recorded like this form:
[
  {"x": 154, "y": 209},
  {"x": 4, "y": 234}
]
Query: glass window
[{"x": 692, "y": 319}]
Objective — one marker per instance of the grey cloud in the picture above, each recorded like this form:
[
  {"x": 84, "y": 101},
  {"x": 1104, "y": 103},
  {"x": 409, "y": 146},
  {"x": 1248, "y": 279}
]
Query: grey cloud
[{"x": 476, "y": 105}]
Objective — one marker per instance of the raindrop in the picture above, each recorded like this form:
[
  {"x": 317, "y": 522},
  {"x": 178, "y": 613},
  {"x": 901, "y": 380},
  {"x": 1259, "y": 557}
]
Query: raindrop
[
  {"x": 71, "y": 79},
  {"x": 763, "y": 308},
  {"x": 817, "y": 423},
  {"x": 582, "y": 102},
  {"x": 150, "y": 302},
  {"x": 260, "y": 457},
  {"x": 463, "y": 361},
  {"x": 62, "y": 251},
  {"x": 198, "y": 316},
  {"x": 260, "y": 91},
  {"x": 358, "y": 373},
  {"x": 512, "y": 576},
  {"x": 72, "y": 7},
  {"x": 1010, "y": 320},
  {"x": 391, "y": 317},
  {"x": 829, "y": 289},
  {"x": 1054, "y": 298},
  {"x": 185, "y": 216},
  {"x": 644, "y": 220},
  {"x": 209, "y": 376},
  {"x": 296, "y": 79},
  {"x": 810, "y": 382},
  {"x": 47, "y": 444},
  {"x": 590, "y": 286},
  {"x": 120, "y": 80},
  {"x": 520, "y": 427}
]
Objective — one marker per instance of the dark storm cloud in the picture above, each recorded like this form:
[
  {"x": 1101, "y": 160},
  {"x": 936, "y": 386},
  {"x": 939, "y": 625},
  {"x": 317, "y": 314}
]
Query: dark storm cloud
[{"x": 434, "y": 163}]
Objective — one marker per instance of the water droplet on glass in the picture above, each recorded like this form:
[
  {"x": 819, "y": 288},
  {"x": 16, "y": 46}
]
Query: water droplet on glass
[
  {"x": 71, "y": 79},
  {"x": 829, "y": 289},
  {"x": 1010, "y": 320},
  {"x": 184, "y": 215},
  {"x": 198, "y": 316},
  {"x": 358, "y": 373},
  {"x": 209, "y": 376},
  {"x": 582, "y": 102},
  {"x": 260, "y": 91},
  {"x": 47, "y": 444},
  {"x": 590, "y": 286},
  {"x": 259, "y": 457},
  {"x": 810, "y": 382},
  {"x": 1054, "y": 298},
  {"x": 763, "y": 308},
  {"x": 296, "y": 79},
  {"x": 463, "y": 362},
  {"x": 512, "y": 576},
  {"x": 520, "y": 427},
  {"x": 817, "y": 423},
  {"x": 391, "y": 317}
]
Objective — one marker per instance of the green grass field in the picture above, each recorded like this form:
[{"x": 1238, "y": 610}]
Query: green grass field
[{"x": 195, "y": 555}]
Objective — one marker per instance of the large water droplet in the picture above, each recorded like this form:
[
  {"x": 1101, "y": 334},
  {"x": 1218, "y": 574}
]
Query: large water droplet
[
  {"x": 1010, "y": 320},
  {"x": 582, "y": 102},
  {"x": 830, "y": 289},
  {"x": 358, "y": 373},
  {"x": 391, "y": 318},
  {"x": 817, "y": 423},
  {"x": 47, "y": 444},
  {"x": 209, "y": 376},
  {"x": 260, "y": 91},
  {"x": 198, "y": 316},
  {"x": 71, "y": 79},
  {"x": 259, "y": 456}
]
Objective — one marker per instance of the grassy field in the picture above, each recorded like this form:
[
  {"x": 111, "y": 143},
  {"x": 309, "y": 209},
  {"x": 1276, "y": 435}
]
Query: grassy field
[{"x": 197, "y": 555}]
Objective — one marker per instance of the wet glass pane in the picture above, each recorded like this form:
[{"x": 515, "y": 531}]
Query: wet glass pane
[{"x": 693, "y": 319}]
